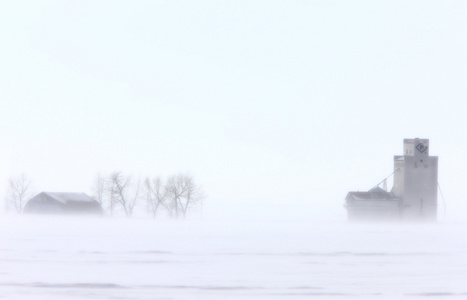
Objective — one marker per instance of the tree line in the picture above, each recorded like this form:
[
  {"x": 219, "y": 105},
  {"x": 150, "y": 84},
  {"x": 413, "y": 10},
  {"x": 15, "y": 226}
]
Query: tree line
[{"x": 116, "y": 193}]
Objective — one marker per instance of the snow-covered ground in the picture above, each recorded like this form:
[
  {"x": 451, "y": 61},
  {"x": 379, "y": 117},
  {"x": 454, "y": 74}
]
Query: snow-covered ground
[{"x": 102, "y": 258}]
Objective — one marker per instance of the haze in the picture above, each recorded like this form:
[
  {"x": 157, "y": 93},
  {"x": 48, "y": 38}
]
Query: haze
[
  {"x": 276, "y": 108},
  {"x": 264, "y": 103}
]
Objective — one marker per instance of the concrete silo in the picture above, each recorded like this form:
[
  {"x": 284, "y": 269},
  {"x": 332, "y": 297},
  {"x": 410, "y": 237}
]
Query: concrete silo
[{"x": 416, "y": 180}]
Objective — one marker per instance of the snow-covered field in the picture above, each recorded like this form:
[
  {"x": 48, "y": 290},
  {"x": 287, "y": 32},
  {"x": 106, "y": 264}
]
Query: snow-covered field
[{"x": 82, "y": 258}]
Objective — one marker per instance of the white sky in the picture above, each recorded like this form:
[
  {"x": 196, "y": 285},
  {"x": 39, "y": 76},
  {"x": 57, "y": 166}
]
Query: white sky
[{"x": 261, "y": 101}]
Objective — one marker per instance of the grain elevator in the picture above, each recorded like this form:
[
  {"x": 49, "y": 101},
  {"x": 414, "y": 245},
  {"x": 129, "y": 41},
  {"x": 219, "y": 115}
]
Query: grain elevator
[
  {"x": 416, "y": 180},
  {"x": 414, "y": 194}
]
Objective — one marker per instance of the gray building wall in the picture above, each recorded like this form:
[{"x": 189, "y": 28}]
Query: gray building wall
[
  {"x": 374, "y": 210},
  {"x": 416, "y": 180}
]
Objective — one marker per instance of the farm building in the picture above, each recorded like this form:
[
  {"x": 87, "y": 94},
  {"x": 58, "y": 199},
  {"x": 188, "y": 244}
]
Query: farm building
[
  {"x": 414, "y": 195},
  {"x": 376, "y": 204},
  {"x": 62, "y": 203}
]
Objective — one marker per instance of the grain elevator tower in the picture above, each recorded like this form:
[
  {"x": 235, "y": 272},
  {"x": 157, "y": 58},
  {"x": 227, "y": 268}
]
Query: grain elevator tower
[{"x": 416, "y": 180}]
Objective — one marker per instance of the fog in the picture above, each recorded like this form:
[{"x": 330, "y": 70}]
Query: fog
[
  {"x": 276, "y": 109},
  {"x": 101, "y": 258},
  {"x": 265, "y": 102}
]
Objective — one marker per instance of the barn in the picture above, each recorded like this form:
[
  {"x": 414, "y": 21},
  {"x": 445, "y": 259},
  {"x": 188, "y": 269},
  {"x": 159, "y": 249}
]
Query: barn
[
  {"x": 62, "y": 203},
  {"x": 376, "y": 204}
]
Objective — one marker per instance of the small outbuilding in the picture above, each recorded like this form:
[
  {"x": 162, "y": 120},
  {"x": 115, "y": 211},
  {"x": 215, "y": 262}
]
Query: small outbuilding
[
  {"x": 62, "y": 203},
  {"x": 375, "y": 204}
]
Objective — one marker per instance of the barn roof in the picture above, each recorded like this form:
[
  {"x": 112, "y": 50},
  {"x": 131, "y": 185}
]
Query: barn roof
[
  {"x": 67, "y": 197},
  {"x": 376, "y": 193}
]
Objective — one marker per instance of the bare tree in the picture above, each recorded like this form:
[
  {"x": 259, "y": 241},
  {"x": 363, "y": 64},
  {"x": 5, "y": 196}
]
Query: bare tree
[
  {"x": 175, "y": 190},
  {"x": 20, "y": 189},
  {"x": 102, "y": 192},
  {"x": 177, "y": 195},
  {"x": 134, "y": 197},
  {"x": 123, "y": 193},
  {"x": 182, "y": 194},
  {"x": 99, "y": 189},
  {"x": 155, "y": 195},
  {"x": 194, "y": 195}
]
